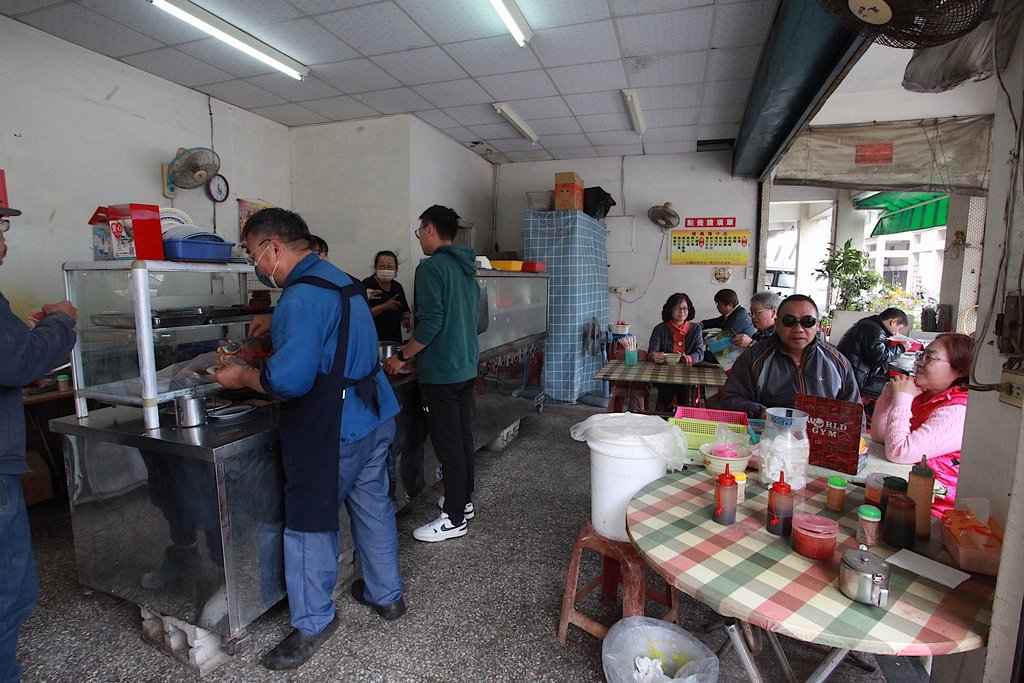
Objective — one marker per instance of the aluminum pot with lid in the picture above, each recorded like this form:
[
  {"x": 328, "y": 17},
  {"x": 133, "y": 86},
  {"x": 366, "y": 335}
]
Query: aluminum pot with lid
[
  {"x": 190, "y": 411},
  {"x": 864, "y": 577}
]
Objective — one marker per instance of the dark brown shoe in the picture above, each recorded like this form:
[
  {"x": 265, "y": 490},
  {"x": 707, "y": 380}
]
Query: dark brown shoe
[{"x": 296, "y": 649}]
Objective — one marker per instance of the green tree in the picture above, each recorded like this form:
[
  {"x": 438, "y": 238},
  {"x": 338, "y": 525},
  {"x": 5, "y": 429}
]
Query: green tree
[{"x": 849, "y": 273}]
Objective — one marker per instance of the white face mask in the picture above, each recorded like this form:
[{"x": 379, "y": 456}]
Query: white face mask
[{"x": 385, "y": 275}]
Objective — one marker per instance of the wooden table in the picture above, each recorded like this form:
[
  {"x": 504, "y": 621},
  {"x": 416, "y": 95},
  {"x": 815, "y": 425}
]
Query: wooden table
[
  {"x": 662, "y": 373},
  {"x": 742, "y": 571}
]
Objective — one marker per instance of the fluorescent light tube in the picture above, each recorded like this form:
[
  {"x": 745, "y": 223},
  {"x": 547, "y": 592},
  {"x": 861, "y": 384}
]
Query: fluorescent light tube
[
  {"x": 513, "y": 118},
  {"x": 514, "y": 20},
  {"x": 240, "y": 40},
  {"x": 633, "y": 107}
]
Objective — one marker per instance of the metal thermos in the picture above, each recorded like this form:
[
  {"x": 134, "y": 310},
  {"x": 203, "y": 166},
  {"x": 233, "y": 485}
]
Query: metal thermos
[{"x": 190, "y": 411}]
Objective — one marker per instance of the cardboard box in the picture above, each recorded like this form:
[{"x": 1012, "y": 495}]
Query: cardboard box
[
  {"x": 36, "y": 484},
  {"x": 568, "y": 192},
  {"x": 127, "y": 231}
]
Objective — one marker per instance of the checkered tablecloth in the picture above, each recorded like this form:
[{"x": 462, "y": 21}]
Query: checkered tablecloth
[
  {"x": 745, "y": 572},
  {"x": 680, "y": 373}
]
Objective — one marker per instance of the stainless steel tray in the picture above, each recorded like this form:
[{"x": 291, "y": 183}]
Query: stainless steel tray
[{"x": 176, "y": 317}]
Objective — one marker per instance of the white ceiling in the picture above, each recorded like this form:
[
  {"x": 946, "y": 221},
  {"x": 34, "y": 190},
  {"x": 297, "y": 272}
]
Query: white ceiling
[{"x": 446, "y": 60}]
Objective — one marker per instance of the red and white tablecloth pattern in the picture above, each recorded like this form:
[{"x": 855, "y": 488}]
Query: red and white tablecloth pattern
[{"x": 743, "y": 571}]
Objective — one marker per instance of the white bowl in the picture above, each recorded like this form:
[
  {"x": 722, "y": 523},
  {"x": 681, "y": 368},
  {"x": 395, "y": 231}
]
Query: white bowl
[
  {"x": 673, "y": 358},
  {"x": 716, "y": 465}
]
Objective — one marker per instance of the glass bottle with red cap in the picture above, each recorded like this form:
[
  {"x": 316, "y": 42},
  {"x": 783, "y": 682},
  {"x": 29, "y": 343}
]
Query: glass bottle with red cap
[
  {"x": 780, "y": 507},
  {"x": 726, "y": 491}
]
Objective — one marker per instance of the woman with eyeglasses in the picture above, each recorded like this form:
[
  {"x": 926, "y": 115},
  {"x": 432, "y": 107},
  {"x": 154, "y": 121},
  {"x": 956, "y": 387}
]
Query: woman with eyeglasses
[
  {"x": 924, "y": 414},
  {"x": 677, "y": 333},
  {"x": 793, "y": 361}
]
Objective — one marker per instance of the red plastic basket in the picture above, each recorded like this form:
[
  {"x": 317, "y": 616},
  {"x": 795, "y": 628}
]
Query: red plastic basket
[{"x": 730, "y": 416}]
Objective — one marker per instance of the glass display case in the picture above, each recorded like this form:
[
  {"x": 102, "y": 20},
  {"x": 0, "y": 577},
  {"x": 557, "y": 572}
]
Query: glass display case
[
  {"x": 517, "y": 310},
  {"x": 143, "y": 325}
]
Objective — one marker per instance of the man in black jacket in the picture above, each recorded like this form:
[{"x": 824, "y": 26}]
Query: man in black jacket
[
  {"x": 867, "y": 346},
  {"x": 732, "y": 316}
]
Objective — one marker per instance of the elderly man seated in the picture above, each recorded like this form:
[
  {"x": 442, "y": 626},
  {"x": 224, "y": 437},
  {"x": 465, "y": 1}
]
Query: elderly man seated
[
  {"x": 764, "y": 307},
  {"x": 794, "y": 361},
  {"x": 731, "y": 316}
]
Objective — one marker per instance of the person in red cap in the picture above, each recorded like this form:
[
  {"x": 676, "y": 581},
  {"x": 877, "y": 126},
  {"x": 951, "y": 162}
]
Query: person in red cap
[{"x": 28, "y": 354}]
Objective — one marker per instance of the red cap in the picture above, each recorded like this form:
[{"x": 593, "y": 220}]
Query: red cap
[
  {"x": 726, "y": 479},
  {"x": 781, "y": 486}
]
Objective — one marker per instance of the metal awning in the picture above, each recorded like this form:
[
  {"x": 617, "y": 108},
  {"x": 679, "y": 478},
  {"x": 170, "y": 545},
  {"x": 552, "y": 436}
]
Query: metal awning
[{"x": 906, "y": 211}]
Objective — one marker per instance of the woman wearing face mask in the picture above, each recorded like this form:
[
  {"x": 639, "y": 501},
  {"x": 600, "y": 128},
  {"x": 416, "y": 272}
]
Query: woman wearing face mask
[{"x": 389, "y": 306}]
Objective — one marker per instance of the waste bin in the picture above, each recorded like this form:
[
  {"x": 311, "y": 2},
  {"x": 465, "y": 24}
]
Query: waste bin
[
  {"x": 627, "y": 452},
  {"x": 683, "y": 658}
]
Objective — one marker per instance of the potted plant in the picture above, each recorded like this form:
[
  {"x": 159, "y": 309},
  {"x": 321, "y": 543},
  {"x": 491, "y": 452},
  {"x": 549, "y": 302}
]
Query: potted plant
[{"x": 849, "y": 273}]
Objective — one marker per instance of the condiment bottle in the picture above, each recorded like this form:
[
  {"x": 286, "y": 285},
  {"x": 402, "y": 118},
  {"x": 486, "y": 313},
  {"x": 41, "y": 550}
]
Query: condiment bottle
[
  {"x": 869, "y": 519},
  {"x": 922, "y": 482},
  {"x": 873, "y": 488},
  {"x": 891, "y": 485},
  {"x": 780, "y": 507},
  {"x": 836, "y": 499},
  {"x": 899, "y": 526},
  {"x": 725, "y": 498},
  {"x": 741, "y": 486}
]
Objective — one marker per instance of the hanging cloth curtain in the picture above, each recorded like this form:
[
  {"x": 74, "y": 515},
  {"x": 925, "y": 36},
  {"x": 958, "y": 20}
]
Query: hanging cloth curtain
[{"x": 931, "y": 155}]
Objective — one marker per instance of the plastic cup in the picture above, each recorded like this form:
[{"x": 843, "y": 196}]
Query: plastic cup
[{"x": 632, "y": 357}]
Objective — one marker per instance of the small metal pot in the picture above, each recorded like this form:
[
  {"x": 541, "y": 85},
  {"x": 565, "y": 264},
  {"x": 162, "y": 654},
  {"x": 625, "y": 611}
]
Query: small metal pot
[
  {"x": 190, "y": 411},
  {"x": 386, "y": 349},
  {"x": 864, "y": 577}
]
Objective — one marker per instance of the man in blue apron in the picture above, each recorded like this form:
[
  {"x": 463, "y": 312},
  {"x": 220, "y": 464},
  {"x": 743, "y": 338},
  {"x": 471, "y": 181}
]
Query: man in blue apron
[{"x": 337, "y": 422}]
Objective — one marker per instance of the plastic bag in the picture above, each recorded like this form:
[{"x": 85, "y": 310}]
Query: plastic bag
[
  {"x": 663, "y": 439},
  {"x": 684, "y": 659},
  {"x": 783, "y": 452}
]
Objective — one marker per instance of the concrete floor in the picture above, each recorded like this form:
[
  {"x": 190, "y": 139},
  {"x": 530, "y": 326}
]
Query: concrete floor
[{"x": 481, "y": 608}]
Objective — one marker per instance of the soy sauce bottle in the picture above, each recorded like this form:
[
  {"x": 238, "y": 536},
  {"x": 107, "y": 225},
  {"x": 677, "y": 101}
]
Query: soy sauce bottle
[
  {"x": 726, "y": 491},
  {"x": 780, "y": 507}
]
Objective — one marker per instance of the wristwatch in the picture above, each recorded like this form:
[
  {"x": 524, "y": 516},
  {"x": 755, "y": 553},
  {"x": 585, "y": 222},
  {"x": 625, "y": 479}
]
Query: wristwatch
[{"x": 401, "y": 357}]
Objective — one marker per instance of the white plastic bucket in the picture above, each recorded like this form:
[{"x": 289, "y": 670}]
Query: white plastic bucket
[{"x": 618, "y": 469}]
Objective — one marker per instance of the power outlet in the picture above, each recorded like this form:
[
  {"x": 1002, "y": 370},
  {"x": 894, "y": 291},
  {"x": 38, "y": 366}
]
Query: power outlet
[
  {"x": 1013, "y": 389},
  {"x": 617, "y": 289}
]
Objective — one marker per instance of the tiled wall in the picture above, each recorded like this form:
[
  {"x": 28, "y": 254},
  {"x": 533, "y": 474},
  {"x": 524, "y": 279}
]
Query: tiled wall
[{"x": 572, "y": 244}]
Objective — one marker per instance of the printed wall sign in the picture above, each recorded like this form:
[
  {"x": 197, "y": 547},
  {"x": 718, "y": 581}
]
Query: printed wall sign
[{"x": 710, "y": 247}]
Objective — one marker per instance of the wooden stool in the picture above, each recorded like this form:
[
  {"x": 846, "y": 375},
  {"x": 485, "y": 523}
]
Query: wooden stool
[{"x": 621, "y": 563}]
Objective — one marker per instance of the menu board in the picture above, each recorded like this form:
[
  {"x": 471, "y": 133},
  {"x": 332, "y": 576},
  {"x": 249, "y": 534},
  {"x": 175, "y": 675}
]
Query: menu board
[
  {"x": 833, "y": 429},
  {"x": 709, "y": 241}
]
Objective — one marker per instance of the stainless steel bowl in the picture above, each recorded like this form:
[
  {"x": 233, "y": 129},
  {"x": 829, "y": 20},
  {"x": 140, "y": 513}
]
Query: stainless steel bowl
[{"x": 386, "y": 349}]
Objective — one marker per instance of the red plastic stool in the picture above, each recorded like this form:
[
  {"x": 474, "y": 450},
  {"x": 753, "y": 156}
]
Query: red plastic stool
[
  {"x": 621, "y": 563},
  {"x": 631, "y": 396}
]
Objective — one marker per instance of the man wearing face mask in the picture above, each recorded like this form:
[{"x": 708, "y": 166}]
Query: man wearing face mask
[
  {"x": 336, "y": 424},
  {"x": 390, "y": 308}
]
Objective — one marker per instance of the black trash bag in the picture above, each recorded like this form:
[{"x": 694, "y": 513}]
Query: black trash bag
[{"x": 596, "y": 202}]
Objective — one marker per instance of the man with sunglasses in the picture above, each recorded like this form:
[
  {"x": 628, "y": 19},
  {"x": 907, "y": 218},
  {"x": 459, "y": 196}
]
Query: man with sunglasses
[{"x": 793, "y": 361}]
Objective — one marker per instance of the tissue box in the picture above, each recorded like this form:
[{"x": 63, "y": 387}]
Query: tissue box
[{"x": 126, "y": 231}]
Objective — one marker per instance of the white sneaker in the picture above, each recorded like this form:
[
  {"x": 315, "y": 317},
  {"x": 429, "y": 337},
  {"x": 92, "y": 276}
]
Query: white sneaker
[
  {"x": 469, "y": 512},
  {"x": 440, "y": 529}
]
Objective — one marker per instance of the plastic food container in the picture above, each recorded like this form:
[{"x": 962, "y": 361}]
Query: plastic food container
[
  {"x": 534, "y": 266},
  {"x": 814, "y": 536},
  {"x": 507, "y": 265}
]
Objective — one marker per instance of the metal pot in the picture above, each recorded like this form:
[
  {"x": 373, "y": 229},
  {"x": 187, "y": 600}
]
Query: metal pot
[
  {"x": 386, "y": 349},
  {"x": 864, "y": 577},
  {"x": 190, "y": 411}
]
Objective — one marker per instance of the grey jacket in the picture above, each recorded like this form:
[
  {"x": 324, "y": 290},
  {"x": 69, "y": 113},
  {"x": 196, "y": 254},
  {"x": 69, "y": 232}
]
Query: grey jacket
[
  {"x": 662, "y": 340},
  {"x": 764, "y": 376},
  {"x": 25, "y": 356}
]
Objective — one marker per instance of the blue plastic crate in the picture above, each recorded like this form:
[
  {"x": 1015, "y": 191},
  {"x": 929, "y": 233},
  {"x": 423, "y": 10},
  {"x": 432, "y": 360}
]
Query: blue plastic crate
[{"x": 197, "y": 250}]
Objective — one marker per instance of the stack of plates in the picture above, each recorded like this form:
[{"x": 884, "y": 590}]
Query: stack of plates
[{"x": 170, "y": 216}]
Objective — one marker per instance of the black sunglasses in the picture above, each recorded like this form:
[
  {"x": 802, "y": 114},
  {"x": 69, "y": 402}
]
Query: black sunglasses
[{"x": 808, "y": 321}]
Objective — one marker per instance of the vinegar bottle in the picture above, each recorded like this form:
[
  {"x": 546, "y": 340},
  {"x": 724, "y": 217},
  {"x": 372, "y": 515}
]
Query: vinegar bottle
[
  {"x": 726, "y": 491},
  {"x": 780, "y": 507},
  {"x": 922, "y": 482}
]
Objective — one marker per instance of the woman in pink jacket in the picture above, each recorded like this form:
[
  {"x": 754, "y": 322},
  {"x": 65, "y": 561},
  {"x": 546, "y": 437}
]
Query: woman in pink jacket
[{"x": 924, "y": 414}]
